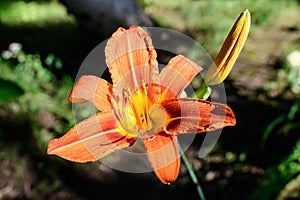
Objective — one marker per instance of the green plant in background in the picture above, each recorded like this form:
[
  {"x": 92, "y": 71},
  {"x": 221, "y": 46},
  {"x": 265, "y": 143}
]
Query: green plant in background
[
  {"x": 35, "y": 92},
  {"x": 198, "y": 18},
  {"x": 9, "y": 91},
  {"x": 276, "y": 183},
  {"x": 20, "y": 13},
  {"x": 32, "y": 110},
  {"x": 286, "y": 85},
  {"x": 282, "y": 180}
]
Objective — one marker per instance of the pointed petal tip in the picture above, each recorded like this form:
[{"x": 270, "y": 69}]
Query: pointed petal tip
[
  {"x": 72, "y": 99},
  {"x": 247, "y": 19},
  {"x": 51, "y": 147},
  {"x": 167, "y": 180},
  {"x": 165, "y": 177},
  {"x": 232, "y": 122},
  {"x": 54, "y": 149},
  {"x": 164, "y": 157},
  {"x": 246, "y": 23},
  {"x": 230, "y": 119},
  {"x": 89, "y": 140},
  {"x": 93, "y": 89},
  {"x": 247, "y": 13}
]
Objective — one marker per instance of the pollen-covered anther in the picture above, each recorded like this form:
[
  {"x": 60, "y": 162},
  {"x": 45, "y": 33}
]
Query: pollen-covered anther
[{"x": 149, "y": 118}]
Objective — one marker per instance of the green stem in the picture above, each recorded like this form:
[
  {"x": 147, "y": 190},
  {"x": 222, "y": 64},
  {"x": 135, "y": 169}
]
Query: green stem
[
  {"x": 202, "y": 92},
  {"x": 192, "y": 173}
]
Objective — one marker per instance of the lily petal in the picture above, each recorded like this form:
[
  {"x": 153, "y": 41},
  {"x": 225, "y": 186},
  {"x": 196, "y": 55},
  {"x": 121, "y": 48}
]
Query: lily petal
[
  {"x": 176, "y": 76},
  {"x": 163, "y": 154},
  {"x": 90, "y": 139},
  {"x": 94, "y": 89},
  {"x": 189, "y": 115},
  {"x": 131, "y": 57},
  {"x": 230, "y": 50}
]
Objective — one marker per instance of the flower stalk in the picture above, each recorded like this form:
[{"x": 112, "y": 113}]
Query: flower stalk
[
  {"x": 191, "y": 173},
  {"x": 203, "y": 92}
]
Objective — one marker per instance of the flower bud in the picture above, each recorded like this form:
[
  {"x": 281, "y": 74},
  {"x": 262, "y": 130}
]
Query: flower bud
[{"x": 230, "y": 50}]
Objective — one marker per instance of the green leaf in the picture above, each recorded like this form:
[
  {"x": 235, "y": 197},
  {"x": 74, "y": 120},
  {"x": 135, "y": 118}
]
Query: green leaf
[
  {"x": 9, "y": 91},
  {"x": 271, "y": 127}
]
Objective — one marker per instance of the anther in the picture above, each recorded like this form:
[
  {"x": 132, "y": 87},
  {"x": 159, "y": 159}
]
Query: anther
[{"x": 151, "y": 138}]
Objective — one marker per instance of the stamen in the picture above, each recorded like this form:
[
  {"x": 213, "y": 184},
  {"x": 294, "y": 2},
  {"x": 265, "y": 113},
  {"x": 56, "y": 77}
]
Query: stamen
[
  {"x": 128, "y": 96},
  {"x": 140, "y": 102},
  {"x": 162, "y": 97},
  {"x": 127, "y": 93},
  {"x": 166, "y": 131},
  {"x": 145, "y": 89},
  {"x": 131, "y": 62},
  {"x": 151, "y": 138},
  {"x": 117, "y": 109}
]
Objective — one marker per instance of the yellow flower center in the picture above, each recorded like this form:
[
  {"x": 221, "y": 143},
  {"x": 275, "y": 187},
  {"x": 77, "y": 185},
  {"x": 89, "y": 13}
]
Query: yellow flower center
[{"x": 138, "y": 114}]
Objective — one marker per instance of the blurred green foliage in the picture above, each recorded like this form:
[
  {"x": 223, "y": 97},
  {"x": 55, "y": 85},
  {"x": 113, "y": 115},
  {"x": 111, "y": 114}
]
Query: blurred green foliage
[
  {"x": 32, "y": 13},
  {"x": 209, "y": 22},
  {"x": 43, "y": 92},
  {"x": 285, "y": 85},
  {"x": 9, "y": 91},
  {"x": 278, "y": 176}
]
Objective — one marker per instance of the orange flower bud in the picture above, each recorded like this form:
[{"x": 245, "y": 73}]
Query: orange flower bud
[{"x": 230, "y": 50}]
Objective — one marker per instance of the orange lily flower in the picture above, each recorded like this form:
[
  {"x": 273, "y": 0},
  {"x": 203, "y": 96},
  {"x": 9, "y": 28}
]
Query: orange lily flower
[{"x": 141, "y": 102}]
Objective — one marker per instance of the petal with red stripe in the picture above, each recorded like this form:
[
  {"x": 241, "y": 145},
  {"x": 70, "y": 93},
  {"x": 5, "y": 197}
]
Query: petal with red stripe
[
  {"x": 90, "y": 139},
  {"x": 93, "y": 89},
  {"x": 131, "y": 58},
  {"x": 188, "y": 115},
  {"x": 163, "y": 154},
  {"x": 176, "y": 76}
]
